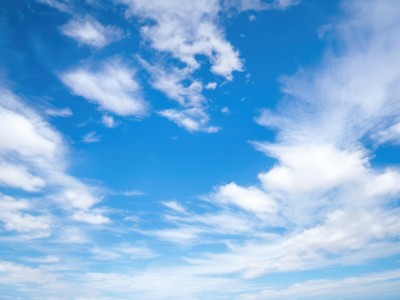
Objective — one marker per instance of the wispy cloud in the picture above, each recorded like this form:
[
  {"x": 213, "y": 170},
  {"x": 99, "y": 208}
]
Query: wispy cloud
[
  {"x": 91, "y": 137},
  {"x": 63, "y": 112},
  {"x": 88, "y": 31}
]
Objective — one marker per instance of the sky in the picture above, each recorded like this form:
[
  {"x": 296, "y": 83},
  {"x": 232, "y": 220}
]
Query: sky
[{"x": 200, "y": 149}]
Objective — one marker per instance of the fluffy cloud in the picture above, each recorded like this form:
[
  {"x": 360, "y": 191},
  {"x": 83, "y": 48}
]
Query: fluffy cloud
[
  {"x": 186, "y": 30},
  {"x": 89, "y": 31},
  {"x": 110, "y": 85},
  {"x": 34, "y": 158},
  {"x": 15, "y": 220},
  {"x": 249, "y": 199}
]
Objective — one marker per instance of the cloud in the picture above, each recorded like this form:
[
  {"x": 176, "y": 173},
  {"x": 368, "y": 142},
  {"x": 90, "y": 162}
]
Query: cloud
[
  {"x": 61, "y": 5},
  {"x": 91, "y": 137},
  {"x": 64, "y": 112},
  {"x": 17, "y": 176},
  {"x": 367, "y": 286},
  {"x": 108, "y": 121},
  {"x": 193, "y": 115},
  {"x": 256, "y": 5},
  {"x": 110, "y": 85},
  {"x": 91, "y": 218},
  {"x": 211, "y": 86},
  {"x": 193, "y": 119},
  {"x": 175, "y": 206},
  {"x": 34, "y": 158},
  {"x": 15, "y": 220},
  {"x": 123, "y": 251},
  {"x": 88, "y": 31},
  {"x": 330, "y": 204},
  {"x": 186, "y": 31},
  {"x": 249, "y": 199}
]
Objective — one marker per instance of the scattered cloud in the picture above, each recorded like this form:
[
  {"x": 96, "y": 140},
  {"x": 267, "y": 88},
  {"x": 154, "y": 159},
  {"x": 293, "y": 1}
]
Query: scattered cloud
[
  {"x": 108, "y": 121},
  {"x": 34, "y": 158},
  {"x": 225, "y": 110},
  {"x": 255, "y": 5},
  {"x": 63, "y": 112},
  {"x": 91, "y": 137},
  {"x": 193, "y": 119},
  {"x": 61, "y": 5},
  {"x": 88, "y": 31},
  {"x": 368, "y": 286},
  {"x": 211, "y": 86},
  {"x": 91, "y": 218},
  {"x": 110, "y": 85},
  {"x": 187, "y": 31},
  {"x": 14, "y": 219}
]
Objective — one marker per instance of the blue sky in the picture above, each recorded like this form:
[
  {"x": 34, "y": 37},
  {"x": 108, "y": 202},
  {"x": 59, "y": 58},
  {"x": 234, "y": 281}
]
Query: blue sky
[{"x": 209, "y": 149}]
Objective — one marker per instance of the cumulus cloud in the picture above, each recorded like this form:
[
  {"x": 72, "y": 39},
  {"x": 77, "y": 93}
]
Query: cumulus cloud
[
  {"x": 110, "y": 85},
  {"x": 88, "y": 31}
]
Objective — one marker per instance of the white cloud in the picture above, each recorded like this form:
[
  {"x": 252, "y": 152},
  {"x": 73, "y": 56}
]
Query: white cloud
[
  {"x": 108, "y": 121},
  {"x": 33, "y": 157},
  {"x": 78, "y": 195},
  {"x": 110, "y": 85},
  {"x": 334, "y": 207},
  {"x": 15, "y": 220},
  {"x": 123, "y": 251},
  {"x": 193, "y": 119},
  {"x": 90, "y": 32},
  {"x": 18, "y": 176},
  {"x": 186, "y": 30},
  {"x": 64, "y": 112},
  {"x": 91, "y": 137},
  {"x": 192, "y": 116},
  {"x": 211, "y": 86},
  {"x": 225, "y": 110},
  {"x": 369, "y": 286},
  {"x": 91, "y": 218},
  {"x": 388, "y": 135},
  {"x": 261, "y": 5},
  {"x": 309, "y": 168},
  {"x": 133, "y": 192},
  {"x": 249, "y": 199},
  {"x": 175, "y": 206},
  {"x": 61, "y": 5},
  {"x": 72, "y": 235}
]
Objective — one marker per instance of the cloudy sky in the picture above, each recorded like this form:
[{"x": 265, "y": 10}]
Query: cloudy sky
[{"x": 200, "y": 149}]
